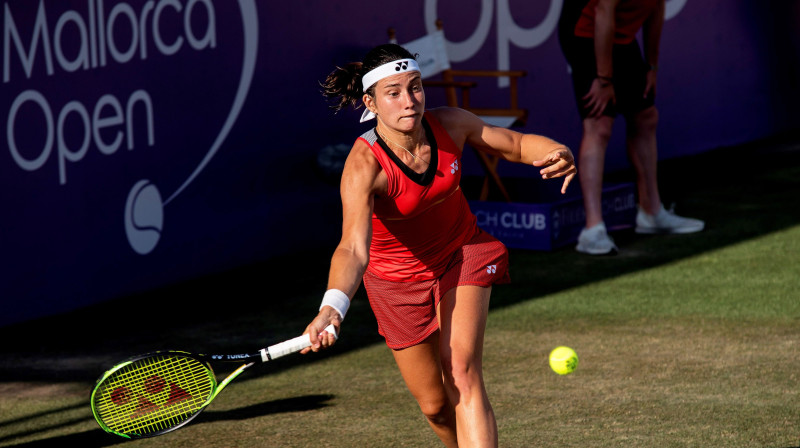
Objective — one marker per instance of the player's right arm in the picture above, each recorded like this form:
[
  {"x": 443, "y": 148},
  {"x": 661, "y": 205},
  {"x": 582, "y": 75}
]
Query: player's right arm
[{"x": 362, "y": 179}]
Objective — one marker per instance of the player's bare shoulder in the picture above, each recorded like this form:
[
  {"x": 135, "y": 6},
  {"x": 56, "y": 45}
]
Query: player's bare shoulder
[{"x": 362, "y": 170}]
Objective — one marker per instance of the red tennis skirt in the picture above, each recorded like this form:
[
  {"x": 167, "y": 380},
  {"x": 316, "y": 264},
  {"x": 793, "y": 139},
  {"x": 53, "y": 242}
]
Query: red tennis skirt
[{"x": 406, "y": 311}]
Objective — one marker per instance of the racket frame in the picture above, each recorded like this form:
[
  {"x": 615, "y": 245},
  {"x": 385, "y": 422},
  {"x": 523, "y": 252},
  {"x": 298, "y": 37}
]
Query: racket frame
[{"x": 264, "y": 355}]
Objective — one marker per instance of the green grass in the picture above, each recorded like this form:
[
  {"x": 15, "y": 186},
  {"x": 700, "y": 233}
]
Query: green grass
[
  {"x": 753, "y": 280},
  {"x": 684, "y": 341},
  {"x": 714, "y": 362}
]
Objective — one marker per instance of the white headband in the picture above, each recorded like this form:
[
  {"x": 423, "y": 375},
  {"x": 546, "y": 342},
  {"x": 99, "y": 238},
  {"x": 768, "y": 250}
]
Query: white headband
[{"x": 384, "y": 71}]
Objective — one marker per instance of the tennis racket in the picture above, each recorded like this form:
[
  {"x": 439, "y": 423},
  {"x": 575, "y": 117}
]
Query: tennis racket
[{"x": 156, "y": 393}]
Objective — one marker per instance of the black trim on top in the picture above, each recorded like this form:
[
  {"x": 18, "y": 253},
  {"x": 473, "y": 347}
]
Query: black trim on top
[{"x": 425, "y": 178}]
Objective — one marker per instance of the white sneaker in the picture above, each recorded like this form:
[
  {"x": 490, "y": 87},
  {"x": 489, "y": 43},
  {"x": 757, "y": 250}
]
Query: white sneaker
[
  {"x": 666, "y": 221},
  {"x": 595, "y": 241}
]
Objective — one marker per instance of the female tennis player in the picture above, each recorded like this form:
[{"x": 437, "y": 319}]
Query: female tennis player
[{"x": 409, "y": 234}]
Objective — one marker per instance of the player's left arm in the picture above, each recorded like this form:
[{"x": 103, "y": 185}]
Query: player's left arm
[
  {"x": 651, "y": 34},
  {"x": 554, "y": 158}
]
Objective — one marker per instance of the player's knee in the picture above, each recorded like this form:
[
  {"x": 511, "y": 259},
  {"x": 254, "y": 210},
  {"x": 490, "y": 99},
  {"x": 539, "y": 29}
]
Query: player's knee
[
  {"x": 464, "y": 376},
  {"x": 438, "y": 412}
]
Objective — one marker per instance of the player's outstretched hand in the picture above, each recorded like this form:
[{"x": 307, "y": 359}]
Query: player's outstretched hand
[{"x": 558, "y": 163}]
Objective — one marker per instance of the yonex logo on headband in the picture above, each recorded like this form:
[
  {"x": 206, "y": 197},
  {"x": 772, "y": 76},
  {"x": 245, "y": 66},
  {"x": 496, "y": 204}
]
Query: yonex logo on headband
[{"x": 388, "y": 69}]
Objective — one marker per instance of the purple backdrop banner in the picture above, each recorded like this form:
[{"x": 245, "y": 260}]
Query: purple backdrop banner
[{"x": 150, "y": 142}]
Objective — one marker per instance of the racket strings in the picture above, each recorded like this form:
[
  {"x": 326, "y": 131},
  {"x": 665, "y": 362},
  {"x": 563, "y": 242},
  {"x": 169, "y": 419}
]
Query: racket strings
[{"x": 154, "y": 394}]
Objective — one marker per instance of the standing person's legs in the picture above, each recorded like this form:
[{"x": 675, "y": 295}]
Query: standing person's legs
[
  {"x": 462, "y": 321},
  {"x": 421, "y": 369},
  {"x": 642, "y": 150},
  {"x": 594, "y": 238},
  {"x": 643, "y": 153},
  {"x": 591, "y": 162}
]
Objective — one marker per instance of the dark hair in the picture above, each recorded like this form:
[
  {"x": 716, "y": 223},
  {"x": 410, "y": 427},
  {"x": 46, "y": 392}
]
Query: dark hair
[{"x": 343, "y": 85}]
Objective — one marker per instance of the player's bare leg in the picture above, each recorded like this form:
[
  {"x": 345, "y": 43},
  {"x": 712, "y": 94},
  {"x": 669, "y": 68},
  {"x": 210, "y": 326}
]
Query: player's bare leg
[
  {"x": 462, "y": 321},
  {"x": 421, "y": 369}
]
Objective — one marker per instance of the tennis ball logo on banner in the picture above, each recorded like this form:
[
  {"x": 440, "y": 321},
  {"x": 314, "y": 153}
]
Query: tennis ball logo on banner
[{"x": 125, "y": 80}]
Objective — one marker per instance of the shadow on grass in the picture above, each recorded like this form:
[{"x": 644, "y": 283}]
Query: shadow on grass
[
  {"x": 98, "y": 438},
  {"x": 294, "y": 404},
  {"x": 9, "y": 434},
  {"x": 27, "y": 418},
  {"x": 258, "y": 305},
  {"x": 88, "y": 439}
]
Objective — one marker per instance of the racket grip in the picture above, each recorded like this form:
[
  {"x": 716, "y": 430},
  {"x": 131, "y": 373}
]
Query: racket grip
[{"x": 292, "y": 345}]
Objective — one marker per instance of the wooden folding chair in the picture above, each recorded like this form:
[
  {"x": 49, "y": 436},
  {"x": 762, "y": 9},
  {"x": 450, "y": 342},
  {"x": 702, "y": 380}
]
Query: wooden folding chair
[{"x": 434, "y": 63}]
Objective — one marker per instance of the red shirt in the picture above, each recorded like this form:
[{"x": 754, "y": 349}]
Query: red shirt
[
  {"x": 629, "y": 16},
  {"x": 423, "y": 219}
]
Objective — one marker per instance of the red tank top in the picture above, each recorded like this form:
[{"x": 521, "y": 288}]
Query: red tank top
[
  {"x": 424, "y": 218},
  {"x": 629, "y": 16}
]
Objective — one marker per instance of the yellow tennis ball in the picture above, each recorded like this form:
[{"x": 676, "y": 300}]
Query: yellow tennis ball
[{"x": 563, "y": 360}]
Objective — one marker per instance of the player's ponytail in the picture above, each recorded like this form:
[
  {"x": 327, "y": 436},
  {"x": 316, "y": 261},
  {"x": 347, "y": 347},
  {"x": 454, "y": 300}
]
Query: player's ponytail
[{"x": 343, "y": 86}]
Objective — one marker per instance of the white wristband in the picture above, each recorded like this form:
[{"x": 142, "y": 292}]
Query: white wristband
[{"x": 337, "y": 300}]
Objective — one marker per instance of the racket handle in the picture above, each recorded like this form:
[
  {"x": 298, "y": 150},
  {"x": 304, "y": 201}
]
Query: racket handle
[{"x": 291, "y": 346}]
